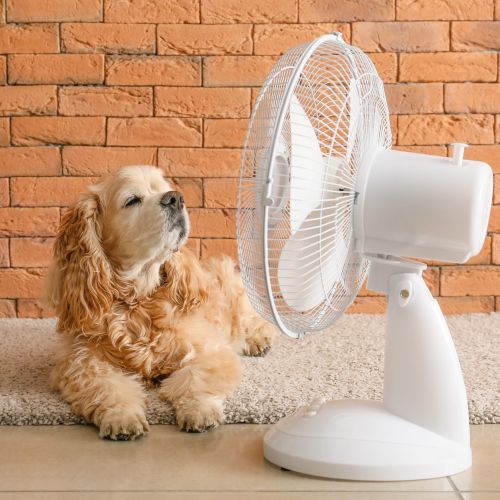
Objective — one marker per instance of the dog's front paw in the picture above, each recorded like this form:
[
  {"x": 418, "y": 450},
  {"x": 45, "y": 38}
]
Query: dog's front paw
[
  {"x": 259, "y": 339},
  {"x": 123, "y": 424},
  {"x": 199, "y": 415}
]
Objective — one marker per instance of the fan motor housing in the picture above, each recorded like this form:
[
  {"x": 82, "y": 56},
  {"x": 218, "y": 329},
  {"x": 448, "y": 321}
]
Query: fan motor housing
[{"x": 423, "y": 206}]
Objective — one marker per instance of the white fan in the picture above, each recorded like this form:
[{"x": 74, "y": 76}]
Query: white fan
[{"x": 321, "y": 198}]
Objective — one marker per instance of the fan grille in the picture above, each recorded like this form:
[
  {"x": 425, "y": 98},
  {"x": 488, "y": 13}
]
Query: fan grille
[{"x": 339, "y": 91}]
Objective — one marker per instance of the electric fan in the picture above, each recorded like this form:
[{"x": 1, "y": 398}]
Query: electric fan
[{"x": 324, "y": 202}]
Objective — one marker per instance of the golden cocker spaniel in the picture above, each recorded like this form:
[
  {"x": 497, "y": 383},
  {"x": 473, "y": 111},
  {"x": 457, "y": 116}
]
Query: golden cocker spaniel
[{"x": 137, "y": 308}]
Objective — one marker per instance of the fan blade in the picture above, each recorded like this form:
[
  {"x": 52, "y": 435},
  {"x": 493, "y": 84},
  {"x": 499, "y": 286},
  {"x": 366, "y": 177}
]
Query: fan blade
[
  {"x": 313, "y": 259},
  {"x": 307, "y": 166},
  {"x": 310, "y": 268}
]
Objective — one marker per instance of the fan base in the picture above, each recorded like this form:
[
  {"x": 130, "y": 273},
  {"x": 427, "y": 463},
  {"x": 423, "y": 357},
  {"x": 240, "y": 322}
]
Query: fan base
[{"x": 361, "y": 440}]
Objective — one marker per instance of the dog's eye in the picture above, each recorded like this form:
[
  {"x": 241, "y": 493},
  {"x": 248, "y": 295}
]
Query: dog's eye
[{"x": 133, "y": 200}]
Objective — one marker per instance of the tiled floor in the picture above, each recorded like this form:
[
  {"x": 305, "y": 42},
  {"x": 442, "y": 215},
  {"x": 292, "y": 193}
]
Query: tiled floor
[{"x": 56, "y": 463}]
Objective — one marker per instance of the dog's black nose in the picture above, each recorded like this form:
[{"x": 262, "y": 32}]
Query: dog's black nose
[{"x": 173, "y": 199}]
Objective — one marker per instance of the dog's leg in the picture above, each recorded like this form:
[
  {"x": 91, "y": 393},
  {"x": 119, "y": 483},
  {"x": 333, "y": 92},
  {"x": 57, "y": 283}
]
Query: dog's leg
[
  {"x": 259, "y": 336},
  {"x": 105, "y": 396},
  {"x": 197, "y": 389},
  {"x": 252, "y": 334}
]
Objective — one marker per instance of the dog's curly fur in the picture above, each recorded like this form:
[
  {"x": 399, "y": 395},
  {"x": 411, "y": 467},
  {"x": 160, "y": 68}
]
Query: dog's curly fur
[{"x": 137, "y": 308}]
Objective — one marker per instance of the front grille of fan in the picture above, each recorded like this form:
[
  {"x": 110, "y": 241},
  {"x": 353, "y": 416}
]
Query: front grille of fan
[{"x": 322, "y": 90}]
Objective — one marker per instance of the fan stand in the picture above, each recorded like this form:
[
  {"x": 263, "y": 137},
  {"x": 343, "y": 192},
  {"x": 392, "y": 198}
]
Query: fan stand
[{"x": 421, "y": 428}]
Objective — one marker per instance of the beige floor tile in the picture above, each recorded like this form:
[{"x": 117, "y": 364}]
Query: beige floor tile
[
  {"x": 217, "y": 495},
  {"x": 230, "y": 458},
  {"x": 479, "y": 495},
  {"x": 484, "y": 475}
]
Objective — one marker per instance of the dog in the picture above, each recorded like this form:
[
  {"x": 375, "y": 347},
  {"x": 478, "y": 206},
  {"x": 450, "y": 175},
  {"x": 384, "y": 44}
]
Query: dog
[{"x": 136, "y": 308}]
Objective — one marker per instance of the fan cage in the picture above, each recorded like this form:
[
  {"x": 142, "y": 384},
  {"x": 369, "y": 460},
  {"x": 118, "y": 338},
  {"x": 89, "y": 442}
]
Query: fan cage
[{"x": 342, "y": 96}]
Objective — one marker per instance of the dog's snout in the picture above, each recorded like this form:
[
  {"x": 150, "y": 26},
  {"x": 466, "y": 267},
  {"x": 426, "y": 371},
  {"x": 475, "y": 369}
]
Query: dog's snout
[{"x": 173, "y": 199}]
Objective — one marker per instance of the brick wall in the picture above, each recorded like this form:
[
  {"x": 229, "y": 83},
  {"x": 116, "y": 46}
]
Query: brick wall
[{"x": 89, "y": 85}]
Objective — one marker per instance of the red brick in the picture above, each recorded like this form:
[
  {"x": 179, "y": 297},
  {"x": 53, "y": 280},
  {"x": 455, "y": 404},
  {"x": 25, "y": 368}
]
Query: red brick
[
  {"x": 497, "y": 303},
  {"x": 4, "y": 192},
  {"x": 418, "y": 36},
  {"x": 472, "y": 97},
  {"x": 154, "y": 132},
  {"x": 4, "y": 131},
  {"x": 414, "y": 10},
  {"x": 30, "y": 161},
  {"x": 151, "y": 11},
  {"x": 198, "y": 162},
  {"x": 59, "y": 68},
  {"x": 431, "y": 276},
  {"x": 29, "y": 38},
  {"x": 3, "y": 70},
  {"x": 489, "y": 154},
  {"x": 448, "y": 67},
  {"x": 113, "y": 101},
  {"x": 4, "y": 252},
  {"x": 191, "y": 189},
  {"x": 255, "y": 95},
  {"x": 7, "y": 308},
  {"x": 414, "y": 98},
  {"x": 191, "y": 39},
  {"x": 224, "y": 133},
  {"x": 466, "y": 305},
  {"x": 393, "y": 120},
  {"x": 496, "y": 192},
  {"x": 465, "y": 280},
  {"x": 318, "y": 11},
  {"x": 368, "y": 305},
  {"x": 220, "y": 193},
  {"x": 31, "y": 131},
  {"x": 21, "y": 283},
  {"x": 36, "y": 100},
  {"x": 494, "y": 225},
  {"x": 475, "y": 36},
  {"x": 236, "y": 71},
  {"x": 444, "y": 129},
  {"x": 33, "y": 309},
  {"x": 257, "y": 11},
  {"x": 31, "y": 252},
  {"x": 386, "y": 66},
  {"x": 212, "y": 223},
  {"x": 103, "y": 160},
  {"x": 109, "y": 38},
  {"x": 275, "y": 39},
  {"x": 28, "y": 221},
  {"x": 216, "y": 247},
  {"x": 202, "y": 102},
  {"x": 484, "y": 256},
  {"x": 27, "y": 11},
  {"x": 495, "y": 249},
  {"x": 47, "y": 191},
  {"x": 185, "y": 71}
]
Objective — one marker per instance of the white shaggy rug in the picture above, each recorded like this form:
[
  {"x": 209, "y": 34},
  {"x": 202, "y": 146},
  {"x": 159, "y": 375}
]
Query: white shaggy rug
[{"x": 345, "y": 362}]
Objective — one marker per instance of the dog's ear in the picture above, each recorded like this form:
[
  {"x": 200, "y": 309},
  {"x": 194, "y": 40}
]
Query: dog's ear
[
  {"x": 79, "y": 285},
  {"x": 185, "y": 281}
]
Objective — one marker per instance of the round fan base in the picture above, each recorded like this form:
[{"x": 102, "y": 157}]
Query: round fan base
[{"x": 361, "y": 440}]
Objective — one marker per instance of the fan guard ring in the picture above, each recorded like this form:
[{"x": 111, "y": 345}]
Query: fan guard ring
[{"x": 333, "y": 89}]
